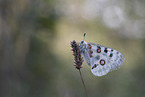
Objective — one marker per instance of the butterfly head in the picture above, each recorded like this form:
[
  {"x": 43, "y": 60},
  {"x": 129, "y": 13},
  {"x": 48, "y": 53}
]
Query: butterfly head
[{"x": 83, "y": 44}]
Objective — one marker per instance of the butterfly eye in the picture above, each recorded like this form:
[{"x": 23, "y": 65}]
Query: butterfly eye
[
  {"x": 82, "y": 41},
  {"x": 102, "y": 62},
  {"x": 99, "y": 50}
]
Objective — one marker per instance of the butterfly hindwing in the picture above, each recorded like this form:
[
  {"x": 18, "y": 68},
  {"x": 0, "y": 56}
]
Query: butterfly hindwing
[
  {"x": 100, "y": 69},
  {"x": 103, "y": 59}
]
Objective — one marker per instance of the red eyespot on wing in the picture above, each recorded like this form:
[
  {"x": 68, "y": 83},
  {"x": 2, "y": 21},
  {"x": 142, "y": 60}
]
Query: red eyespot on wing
[
  {"x": 98, "y": 50},
  {"x": 89, "y": 46},
  {"x": 102, "y": 62},
  {"x": 90, "y": 55},
  {"x": 91, "y": 51}
]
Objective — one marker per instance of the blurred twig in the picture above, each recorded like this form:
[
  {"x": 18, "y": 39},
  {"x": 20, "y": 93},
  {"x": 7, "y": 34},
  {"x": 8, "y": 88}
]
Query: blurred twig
[
  {"x": 78, "y": 60},
  {"x": 83, "y": 83}
]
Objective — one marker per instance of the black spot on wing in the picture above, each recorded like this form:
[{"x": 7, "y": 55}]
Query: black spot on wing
[
  {"x": 99, "y": 47},
  {"x": 111, "y": 55},
  {"x": 95, "y": 65},
  {"x": 105, "y": 50}
]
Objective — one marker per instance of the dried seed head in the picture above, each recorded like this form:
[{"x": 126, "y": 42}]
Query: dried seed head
[{"x": 78, "y": 60}]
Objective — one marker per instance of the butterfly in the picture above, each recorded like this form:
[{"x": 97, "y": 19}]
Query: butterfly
[{"x": 101, "y": 59}]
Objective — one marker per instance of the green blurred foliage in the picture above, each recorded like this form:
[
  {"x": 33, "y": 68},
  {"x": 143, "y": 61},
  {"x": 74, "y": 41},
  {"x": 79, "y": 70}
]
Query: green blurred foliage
[{"x": 35, "y": 54}]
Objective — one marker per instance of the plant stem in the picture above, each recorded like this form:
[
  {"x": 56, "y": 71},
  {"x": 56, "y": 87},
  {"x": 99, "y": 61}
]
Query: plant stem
[{"x": 83, "y": 83}]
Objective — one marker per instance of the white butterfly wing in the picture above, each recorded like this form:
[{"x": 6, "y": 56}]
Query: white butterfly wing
[
  {"x": 99, "y": 70},
  {"x": 86, "y": 57},
  {"x": 104, "y": 59}
]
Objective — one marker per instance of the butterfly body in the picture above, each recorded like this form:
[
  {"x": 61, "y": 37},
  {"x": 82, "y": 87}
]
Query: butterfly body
[{"x": 101, "y": 59}]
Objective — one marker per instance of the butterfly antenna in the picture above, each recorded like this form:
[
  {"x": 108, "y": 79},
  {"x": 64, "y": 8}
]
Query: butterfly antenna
[{"x": 84, "y": 36}]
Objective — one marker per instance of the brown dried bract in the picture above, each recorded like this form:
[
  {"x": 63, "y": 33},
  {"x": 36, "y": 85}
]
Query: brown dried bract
[{"x": 78, "y": 60}]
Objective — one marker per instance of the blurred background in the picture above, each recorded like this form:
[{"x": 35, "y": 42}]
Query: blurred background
[{"x": 35, "y": 54}]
